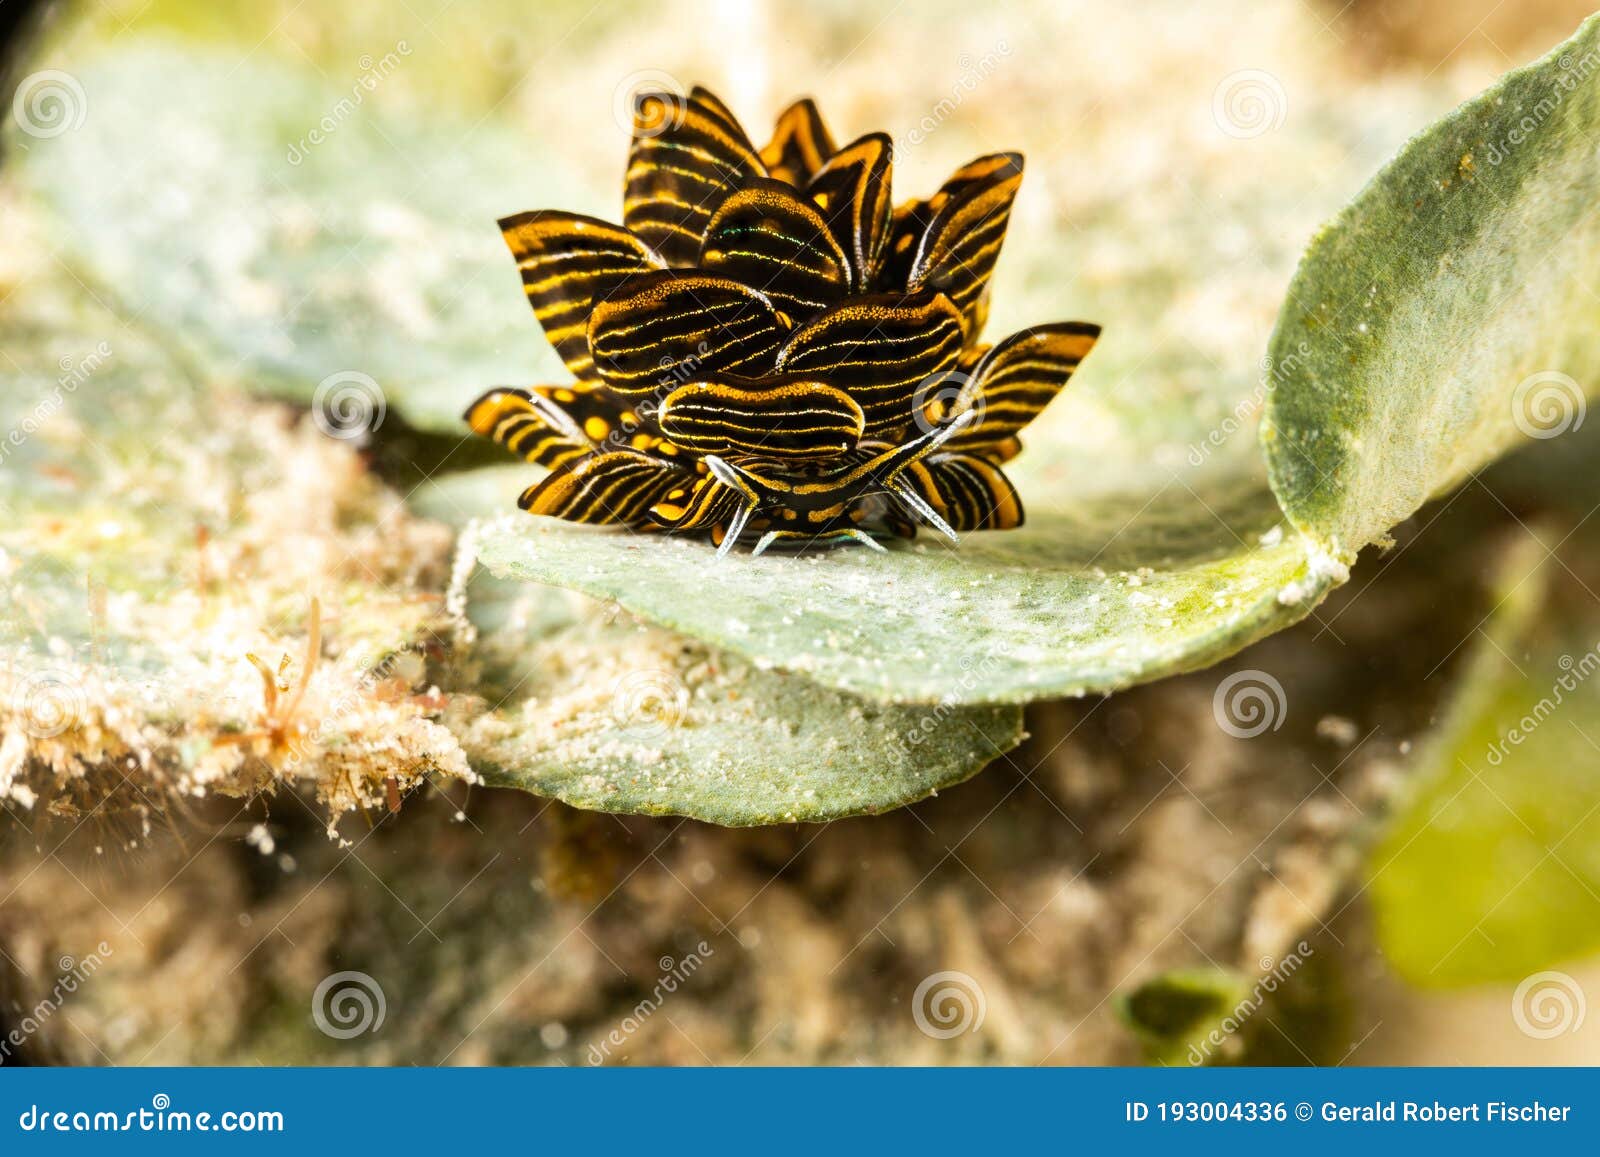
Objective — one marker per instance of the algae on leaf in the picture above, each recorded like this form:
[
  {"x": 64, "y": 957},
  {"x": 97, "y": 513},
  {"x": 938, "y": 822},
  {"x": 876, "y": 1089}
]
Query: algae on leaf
[
  {"x": 155, "y": 534},
  {"x": 1036, "y": 613}
]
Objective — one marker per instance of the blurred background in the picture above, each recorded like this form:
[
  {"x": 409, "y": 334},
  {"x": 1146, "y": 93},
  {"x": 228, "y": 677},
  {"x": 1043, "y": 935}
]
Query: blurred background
[{"x": 1379, "y": 878}]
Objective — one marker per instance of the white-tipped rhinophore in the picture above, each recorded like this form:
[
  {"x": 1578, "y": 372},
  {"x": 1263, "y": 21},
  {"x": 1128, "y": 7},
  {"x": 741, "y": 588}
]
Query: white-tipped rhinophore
[
  {"x": 735, "y": 529},
  {"x": 922, "y": 510},
  {"x": 920, "y": 449},
  {"x": 866, "y": 539}
]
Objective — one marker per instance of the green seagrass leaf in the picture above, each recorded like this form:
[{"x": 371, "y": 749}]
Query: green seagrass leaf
[
  {"x": 573, "y": 699},
  {"x": 313, "y": 242},
  {"x": 1447, "y": 314},
  {"x": 1063, "y": 606}
]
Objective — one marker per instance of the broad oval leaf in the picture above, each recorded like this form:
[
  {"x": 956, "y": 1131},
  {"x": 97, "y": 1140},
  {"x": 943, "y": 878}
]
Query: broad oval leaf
[
  {"x": 600, "y": 711},
  {"x": 1447, "y": 314},
  {"x": 1129, "y": 567}
]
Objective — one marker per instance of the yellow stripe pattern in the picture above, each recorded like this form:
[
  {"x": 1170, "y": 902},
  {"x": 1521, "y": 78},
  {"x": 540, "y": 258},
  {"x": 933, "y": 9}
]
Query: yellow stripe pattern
[{"x": 789, "y": 419}]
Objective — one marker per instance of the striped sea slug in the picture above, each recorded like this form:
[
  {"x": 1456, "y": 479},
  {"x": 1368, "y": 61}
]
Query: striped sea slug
[{"x": 767, "y": 344}]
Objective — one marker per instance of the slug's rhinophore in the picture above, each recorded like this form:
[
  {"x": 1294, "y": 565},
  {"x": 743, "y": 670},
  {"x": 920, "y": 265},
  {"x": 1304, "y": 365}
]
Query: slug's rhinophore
[{"x": 767, "y": 345}]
